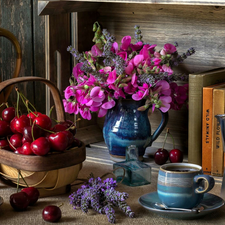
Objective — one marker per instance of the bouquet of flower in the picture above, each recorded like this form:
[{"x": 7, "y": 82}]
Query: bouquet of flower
[{"x": 132, "y": 71}]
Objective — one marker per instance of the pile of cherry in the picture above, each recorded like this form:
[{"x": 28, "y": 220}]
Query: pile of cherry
[
  {"x": 33, "y": 133},
  {"x": 28, "y": 197}
]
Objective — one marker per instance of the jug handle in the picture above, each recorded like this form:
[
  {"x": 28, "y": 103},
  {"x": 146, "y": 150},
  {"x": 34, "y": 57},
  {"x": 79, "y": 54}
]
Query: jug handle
[{"x": 162, "y": 125}]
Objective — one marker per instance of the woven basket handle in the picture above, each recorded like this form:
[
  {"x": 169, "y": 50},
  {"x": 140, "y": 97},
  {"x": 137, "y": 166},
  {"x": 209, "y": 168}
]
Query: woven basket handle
[
  {"x": 54, "y": 90},
  {"x": 7, "y": 34}
]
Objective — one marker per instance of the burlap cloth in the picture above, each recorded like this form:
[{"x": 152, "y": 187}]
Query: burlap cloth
[{"x": 70, "y": 216}]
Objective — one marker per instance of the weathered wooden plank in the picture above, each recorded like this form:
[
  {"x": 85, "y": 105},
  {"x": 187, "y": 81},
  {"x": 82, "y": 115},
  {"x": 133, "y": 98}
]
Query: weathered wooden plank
[
  {"x": 53, "y": 8},
  {"x": 16, "y": 17},
  {"x": 61, "y": 6},
  {"x": 38, "y": 25}
]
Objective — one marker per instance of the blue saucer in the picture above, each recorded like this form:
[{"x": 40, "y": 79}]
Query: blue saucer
[{"x": 210, "y": 203}]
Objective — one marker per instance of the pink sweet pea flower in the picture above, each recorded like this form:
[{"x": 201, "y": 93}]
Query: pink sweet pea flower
[
  {"x": 167, "y": 69},
  {"x": 71, "y": 107},
  {"x": 112, "y": 77},
  {"x": 108, "y": 105},
  {"x": 137, "y": 46},
  {"x": 102, "y": 112},
  {"x": 166, "y": 100},
  {"x": 97, "y": 94},
  {"x": 85, "y": 113},
  {"x": 156, "y": 61},
  {"x": 95, "y": 51},
  {"x": 123, "y": 55},
  {"x": 129, "y": 68},
  {"x": 69, "y": 92},
  {"x": 125, "y": 43},
  {"x": 77, "y": 71},
  {"x": 138, "y": 59},
  {"x": 140, "y": 95},
  {"x": 114, "y": 47},
  {"x": 169, "y": 48}
]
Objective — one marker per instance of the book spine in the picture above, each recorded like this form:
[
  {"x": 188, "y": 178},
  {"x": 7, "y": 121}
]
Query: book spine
[
  {"x": 207, "y": 129},
  {"x": 195, "y": 119},
  {"x": 217, "y": 145}
]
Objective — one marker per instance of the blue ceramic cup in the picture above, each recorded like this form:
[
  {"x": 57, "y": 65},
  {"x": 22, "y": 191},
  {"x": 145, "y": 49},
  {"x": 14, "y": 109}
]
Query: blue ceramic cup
[{"x": 182, "y": 185}]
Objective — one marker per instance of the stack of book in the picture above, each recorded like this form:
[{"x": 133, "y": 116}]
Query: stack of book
[{"x": 206, "y": 99}]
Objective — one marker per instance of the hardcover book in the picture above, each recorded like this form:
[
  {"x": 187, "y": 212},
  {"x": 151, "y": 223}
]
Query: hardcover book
[
  {"x": 196, "y": 83},
  {"x": 217, "y": 144},
  {"x": 207, "y": 118}
]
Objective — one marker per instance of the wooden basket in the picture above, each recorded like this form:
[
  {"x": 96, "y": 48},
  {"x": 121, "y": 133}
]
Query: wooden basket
[{"x": 51, "y": 174}]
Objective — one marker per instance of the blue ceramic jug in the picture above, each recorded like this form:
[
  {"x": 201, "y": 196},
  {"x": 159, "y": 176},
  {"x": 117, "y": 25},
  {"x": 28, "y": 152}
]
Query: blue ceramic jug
[{"x": 125, "y": 125}]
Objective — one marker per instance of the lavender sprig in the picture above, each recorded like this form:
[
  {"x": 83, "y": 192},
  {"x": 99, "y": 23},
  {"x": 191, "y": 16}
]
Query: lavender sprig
[{"x": 102, "y": 197}]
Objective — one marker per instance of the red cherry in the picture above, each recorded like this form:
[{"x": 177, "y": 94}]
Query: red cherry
[
  {"x": 12, "y": 125},
  {"x": 8, "y": 114},
  {"x": 20, "y": 123},
  {"x": 27, "y": 133},
  {"x": 59, "y": 127},
  {"x": 58, "y": 141},
  {"x": 69, "y": 123},
  {"x": 32, "y": 193},
  {"x": 4, "y": 128},
  {"x": 43, "y": 121},
  {"x": 33, "y": 115},
  {"x": 51, "y": 213},
  {"x": 19, "y": 201},
  {"x": 19, "y": 150},
  {"x": 40, "y": 146},
  {"x": 70, "y": 137},
  {"x": 161, "y": 156},
  {"x": 76, "y": 143},
  {"x": 176, "y": 156},
  {"x": 4, "y": 144},
  {"x": 15, "y": 141},
  {"x": 26, "y": 149}
]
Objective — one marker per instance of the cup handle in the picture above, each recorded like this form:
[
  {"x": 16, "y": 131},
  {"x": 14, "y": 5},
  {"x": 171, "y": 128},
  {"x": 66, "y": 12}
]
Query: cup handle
[{"x": 209, "y": 183}]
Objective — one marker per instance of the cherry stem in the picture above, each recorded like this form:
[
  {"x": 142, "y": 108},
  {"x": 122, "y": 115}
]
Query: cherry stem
[
  {"x": 22, "y": 178},
  {"x": 165, "y": 138},
  {"x": 172, "y": 139},
  {"x": 10, "y": 143},
  {"x": 2, "y": 104},
  {"x": 29, "y": 103},
  {"x": 17, "y": 102},
  {"x": 18, "y": 180},
  {"x": 32, "y": 131},
  {"x": 60, "y": 205},
  {"x": 46, "y": 129},
  {"x": 50, "y": 112}
]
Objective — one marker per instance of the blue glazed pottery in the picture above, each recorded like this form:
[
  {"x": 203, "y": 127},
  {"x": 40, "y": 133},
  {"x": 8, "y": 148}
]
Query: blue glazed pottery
[
  {"x": 125, "y": 125},
  {"x": 182, "y": 185}
]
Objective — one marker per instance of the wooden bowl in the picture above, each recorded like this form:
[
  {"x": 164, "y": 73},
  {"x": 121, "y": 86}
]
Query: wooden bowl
[{"x": 51, "y": 174}]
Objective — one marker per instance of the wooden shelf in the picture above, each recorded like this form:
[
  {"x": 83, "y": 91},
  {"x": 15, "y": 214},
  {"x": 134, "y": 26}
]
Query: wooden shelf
[{"x": 53, "y": 7}]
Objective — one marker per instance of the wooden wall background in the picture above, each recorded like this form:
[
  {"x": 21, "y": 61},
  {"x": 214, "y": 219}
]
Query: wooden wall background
[
  {"x": 196, "y": 26},
  {"x": 21, "y": 18}
]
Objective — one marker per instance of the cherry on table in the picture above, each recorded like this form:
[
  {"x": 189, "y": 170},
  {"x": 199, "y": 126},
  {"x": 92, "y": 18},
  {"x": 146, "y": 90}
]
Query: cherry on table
[
  {"x": 51, "y": 213},
  {"x": 176, "y": 156},
  {"x": 19, "y": 201},
  {"x": 161, "y": 156},
  {"x": 32, "y": 193}
]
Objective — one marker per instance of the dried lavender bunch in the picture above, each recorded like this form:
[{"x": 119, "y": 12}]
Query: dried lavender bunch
[{"x": 102, "y": 197}]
